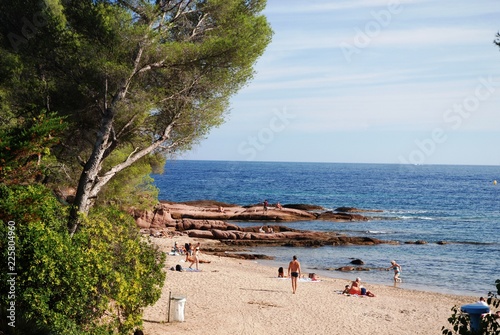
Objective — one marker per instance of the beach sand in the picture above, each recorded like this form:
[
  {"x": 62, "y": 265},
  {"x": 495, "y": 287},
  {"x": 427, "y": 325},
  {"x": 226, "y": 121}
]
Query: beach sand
[{"x": 232, "y": 296}]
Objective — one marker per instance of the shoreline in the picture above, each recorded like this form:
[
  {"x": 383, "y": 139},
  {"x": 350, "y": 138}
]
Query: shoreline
[
  {"x": 350, "y": 275},
  {"x": 234, "y": 296},
  {"x": 204, "y": 219}
]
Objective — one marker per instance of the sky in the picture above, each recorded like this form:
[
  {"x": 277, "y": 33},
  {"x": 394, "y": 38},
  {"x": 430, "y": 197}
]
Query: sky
[{"x": 369, "y": 81}]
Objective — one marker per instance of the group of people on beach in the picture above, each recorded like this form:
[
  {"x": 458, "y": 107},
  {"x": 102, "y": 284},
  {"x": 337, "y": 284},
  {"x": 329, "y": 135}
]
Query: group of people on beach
[
  {"x": 357, "y": 289},
  {"x": 294, "y": 272}
]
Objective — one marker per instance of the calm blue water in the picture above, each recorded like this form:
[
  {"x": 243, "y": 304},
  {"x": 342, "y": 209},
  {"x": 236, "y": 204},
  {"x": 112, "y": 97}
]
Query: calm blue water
[{"x": 457, "y": 204}]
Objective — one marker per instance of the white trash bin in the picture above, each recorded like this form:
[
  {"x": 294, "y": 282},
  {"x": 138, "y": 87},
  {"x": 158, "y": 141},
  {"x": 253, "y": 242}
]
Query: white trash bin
[{"x": 177, "y": 308}]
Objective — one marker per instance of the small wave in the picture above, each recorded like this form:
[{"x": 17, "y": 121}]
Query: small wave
[
  {"x": 376, "y": 232},
  {"x": 473, "y": 243},
  {"x": 414, "y": 211},
  {"x": 416, "y": 218}
]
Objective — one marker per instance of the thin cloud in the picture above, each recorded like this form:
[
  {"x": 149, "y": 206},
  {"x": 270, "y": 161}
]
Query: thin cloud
[
  {"x": 421, "y": 37},
  {"x": 313, "y": 7}
]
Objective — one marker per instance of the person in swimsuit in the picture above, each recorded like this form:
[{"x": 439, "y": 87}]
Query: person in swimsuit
[
  {"x": 294, "y": 272},
  {"x": 189, "y": 251},
  {"x": 397, "y": 271},
  {"x": 196, "y": 259},
  {"x": 355, "y": 287}
]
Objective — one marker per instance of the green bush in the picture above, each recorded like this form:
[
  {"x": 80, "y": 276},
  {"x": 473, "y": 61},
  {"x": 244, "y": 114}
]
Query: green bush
[{"x": 96, "y": 282}]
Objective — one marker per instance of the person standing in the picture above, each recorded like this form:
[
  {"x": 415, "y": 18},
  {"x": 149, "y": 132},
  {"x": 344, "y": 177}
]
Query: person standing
[
  {"x": 266, "y": 203},
  {"x": 294, "y": 272},
  {"x": 196, "y": 258},
  {"x": 189, "y": 250},
  {"x": 397, "y": 271}
]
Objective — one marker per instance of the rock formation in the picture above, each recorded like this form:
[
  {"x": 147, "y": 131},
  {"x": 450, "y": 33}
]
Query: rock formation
[{"x": 208, "y": 220}]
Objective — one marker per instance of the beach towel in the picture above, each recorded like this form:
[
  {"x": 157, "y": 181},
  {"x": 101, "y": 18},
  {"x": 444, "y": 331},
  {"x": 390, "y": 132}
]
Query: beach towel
[{"x": 308, "y": 280}]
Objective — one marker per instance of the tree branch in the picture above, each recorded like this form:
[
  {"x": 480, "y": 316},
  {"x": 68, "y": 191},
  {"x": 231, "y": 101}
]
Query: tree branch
[{"x": 132, "y": 158}]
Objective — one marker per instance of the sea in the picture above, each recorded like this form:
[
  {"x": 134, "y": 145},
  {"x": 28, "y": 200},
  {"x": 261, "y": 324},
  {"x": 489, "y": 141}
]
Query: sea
[{"x": 455, "y": 204}]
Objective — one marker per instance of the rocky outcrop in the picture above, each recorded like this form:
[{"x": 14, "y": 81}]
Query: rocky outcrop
[
  {"x": 355, "y": 210},
  {"x": 209, "y": 221},
  {"x": 304, "y": 207},
  {"x": 339, "y": 217},
  {"x": 157, "y": 218},
  {"x": 357, "y": 261},
  {"x": 416, "y": 242}
]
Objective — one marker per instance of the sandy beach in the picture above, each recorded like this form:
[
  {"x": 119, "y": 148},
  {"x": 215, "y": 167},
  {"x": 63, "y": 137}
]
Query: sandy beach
[{"x": 232, "y": 296}]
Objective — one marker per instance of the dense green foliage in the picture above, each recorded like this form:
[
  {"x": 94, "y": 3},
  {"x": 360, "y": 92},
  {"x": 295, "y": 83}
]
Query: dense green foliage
[
  {"x": 132, "y": 187},
  {"x": 94, "y": 283},
  {"x": 25, "y": 149},
  {"x": 94, "y": 96},
  {"x": 489, "y": 325}
]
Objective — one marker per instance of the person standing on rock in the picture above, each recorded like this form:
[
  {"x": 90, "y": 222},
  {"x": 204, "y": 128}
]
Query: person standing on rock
[
  {"x": 294, "y": 272},
  {"x": 265, "y": 206}
]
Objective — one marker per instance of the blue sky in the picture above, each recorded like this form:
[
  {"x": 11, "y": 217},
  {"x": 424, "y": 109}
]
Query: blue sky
[{"x": 369, "y": 81}]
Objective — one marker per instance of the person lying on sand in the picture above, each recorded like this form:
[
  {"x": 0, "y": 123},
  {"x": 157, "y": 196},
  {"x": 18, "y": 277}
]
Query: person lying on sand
[
  {"x": 313, "y": 276},
  {"x": 357, "y": 289},
  {"x": 364, "y": 291},
  {"x": 346, "y": 290}
]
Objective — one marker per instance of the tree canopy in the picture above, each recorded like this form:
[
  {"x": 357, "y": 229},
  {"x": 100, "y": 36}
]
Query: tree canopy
[
  {"x": 131, "y": 78},
  {"x": 94, "y": 95}
]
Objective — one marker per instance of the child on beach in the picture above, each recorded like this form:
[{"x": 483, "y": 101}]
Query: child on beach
[{"x": 346, "y": 290}]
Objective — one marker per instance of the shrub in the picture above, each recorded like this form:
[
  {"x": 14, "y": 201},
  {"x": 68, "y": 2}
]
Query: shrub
[{"x": 97, "y": 282}]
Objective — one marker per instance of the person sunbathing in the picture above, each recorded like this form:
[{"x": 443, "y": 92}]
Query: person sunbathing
[
  {"x": 364, "y": 291},
  {"x": 313, "y": 276},
  {"x": 355, "y": 287}
]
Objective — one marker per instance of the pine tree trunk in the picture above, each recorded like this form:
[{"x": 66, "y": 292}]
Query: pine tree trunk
[{"x": 90, "y": 174}]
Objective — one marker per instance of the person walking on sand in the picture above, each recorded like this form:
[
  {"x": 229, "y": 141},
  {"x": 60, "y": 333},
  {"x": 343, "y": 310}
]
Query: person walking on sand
[
  {"x": 294, "y": 272},
  {"x": 196, "y": 258},
  {"x": 397, "y": 271}
]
